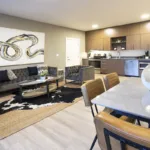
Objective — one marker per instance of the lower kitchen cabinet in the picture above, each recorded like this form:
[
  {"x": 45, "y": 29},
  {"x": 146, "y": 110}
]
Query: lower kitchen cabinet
[
  {"x": 124, "y": 67},
  {"x": 113, "y": 65}
]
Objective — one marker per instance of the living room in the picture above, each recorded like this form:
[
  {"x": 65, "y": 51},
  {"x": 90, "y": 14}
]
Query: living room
[{"x": 70, "y": 72}]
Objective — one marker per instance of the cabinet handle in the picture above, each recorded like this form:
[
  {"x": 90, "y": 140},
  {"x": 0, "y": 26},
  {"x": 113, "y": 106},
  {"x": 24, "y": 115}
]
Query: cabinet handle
[{"x": 133, "y": 46}]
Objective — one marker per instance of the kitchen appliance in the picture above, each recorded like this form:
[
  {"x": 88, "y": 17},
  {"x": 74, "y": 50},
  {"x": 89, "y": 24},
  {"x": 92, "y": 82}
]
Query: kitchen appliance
[{"x": 131, "y": 67}]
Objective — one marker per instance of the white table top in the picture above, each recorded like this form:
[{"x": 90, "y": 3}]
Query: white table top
[
  {"x": 130, "y": 96},
  {"x": 27, "y": 83}
]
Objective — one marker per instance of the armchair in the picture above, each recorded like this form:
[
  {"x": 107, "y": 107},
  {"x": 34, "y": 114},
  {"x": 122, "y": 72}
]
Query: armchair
[{"x": 79, "y": 73}]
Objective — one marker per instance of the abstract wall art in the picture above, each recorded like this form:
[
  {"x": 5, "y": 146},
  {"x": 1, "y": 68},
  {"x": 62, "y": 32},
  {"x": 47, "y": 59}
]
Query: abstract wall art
[{"x": 21, "y": 47}]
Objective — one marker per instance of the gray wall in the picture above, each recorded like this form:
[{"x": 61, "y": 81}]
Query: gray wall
[{"x": 55, "y": 37}]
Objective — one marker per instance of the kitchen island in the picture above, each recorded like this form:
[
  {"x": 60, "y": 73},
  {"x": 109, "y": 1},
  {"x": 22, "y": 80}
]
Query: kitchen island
[{"x": 123, "y": 66}]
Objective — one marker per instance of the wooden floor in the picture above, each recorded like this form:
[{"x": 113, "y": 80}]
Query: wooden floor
[{"x": 70, "y": 129}]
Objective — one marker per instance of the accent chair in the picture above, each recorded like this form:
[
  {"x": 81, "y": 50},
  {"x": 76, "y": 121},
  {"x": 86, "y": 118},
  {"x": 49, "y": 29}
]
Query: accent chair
[{"x": 79, "y": 73}]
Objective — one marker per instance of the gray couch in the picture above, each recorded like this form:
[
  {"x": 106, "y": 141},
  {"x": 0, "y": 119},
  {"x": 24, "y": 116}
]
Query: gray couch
[
  {"x": 79, "y": 73},
  {"x": 22, "y": 74}
]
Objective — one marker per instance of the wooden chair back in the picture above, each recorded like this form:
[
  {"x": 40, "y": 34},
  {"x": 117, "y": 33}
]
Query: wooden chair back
[
  {"x": 116, "y": 134},
  {"x": 91, "y": 89},
  {"x": 111, "y": 80}
]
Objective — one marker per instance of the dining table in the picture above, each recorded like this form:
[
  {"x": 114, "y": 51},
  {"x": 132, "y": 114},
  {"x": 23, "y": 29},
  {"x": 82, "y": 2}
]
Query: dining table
[{"x": 130, "y": 98}]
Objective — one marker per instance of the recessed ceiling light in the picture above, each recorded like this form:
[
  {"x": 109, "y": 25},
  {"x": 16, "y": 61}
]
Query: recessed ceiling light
[
  {"x": 145, "y": 16},
  {"x": 94, "y": 26}
]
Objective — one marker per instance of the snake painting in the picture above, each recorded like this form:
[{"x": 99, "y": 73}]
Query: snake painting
[{"x": 12, "y": 43}]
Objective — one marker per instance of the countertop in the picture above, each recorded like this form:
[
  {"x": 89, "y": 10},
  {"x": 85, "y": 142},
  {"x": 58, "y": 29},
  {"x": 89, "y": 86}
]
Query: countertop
[{"x": 127, "y": 58}]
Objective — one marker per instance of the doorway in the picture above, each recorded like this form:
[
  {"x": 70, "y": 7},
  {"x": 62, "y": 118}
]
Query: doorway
[{"x": 72, "y": 51}]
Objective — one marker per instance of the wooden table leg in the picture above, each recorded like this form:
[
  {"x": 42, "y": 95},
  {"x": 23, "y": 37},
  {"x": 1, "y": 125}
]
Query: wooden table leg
[
  {"x": 20, "y": 93},
  {"x": 47, "y": 86},
  {"x": 57, "y": 84}
]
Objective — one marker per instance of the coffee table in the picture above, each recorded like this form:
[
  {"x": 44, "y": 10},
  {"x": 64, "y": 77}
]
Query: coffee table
[{"x": 37, "y": 84}]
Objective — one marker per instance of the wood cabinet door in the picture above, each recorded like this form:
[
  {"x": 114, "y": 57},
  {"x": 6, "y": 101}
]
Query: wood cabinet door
[
  {"x": 94, "y": 40},
  {"x": 134, "y": 29},
  {"x": 99, "y": 44},
  {"x": 116, "y": 31},
  {"x": 88, "y": 44},
  {"x": 145, "y": 41},
  {"x": 106, "y": 44},
  {"x": 104, "y": 66},
  {"x": 115, "y": 66},
  {"x": 145, "y": 27},
  {"x": 121, "y": 31},
  {"x": 134, "y": 42}
]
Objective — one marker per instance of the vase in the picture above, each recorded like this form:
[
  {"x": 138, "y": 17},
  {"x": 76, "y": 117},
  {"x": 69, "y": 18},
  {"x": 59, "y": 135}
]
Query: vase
[
  {"x": 145, "y": 77},
  {"x": 42, "y": 78}
]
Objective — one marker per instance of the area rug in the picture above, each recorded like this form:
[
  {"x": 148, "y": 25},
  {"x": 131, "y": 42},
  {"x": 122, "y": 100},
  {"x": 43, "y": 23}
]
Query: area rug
[{"x": 14, "y": 115}]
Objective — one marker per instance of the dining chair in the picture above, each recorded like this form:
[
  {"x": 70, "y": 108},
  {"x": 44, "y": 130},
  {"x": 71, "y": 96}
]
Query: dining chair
[
  {"x": 90, "y": 90},
  {"x": 116, "y": 134},
  {"x": 111, "y": 80}
]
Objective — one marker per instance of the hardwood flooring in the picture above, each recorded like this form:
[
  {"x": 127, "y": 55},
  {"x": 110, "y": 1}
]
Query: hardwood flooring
[{"x": 70, "y": 129}]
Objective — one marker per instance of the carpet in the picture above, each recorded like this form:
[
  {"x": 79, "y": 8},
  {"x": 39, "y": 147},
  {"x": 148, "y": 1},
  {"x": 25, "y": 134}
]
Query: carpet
[{"x": 14, "y": 115}]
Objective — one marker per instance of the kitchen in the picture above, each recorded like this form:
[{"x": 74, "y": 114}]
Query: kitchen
[{"x": 122, "y": 49}]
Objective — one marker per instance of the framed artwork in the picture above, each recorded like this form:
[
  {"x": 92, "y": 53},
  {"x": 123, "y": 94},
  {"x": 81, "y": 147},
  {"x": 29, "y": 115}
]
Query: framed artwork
[{"x": 21, "y": 47}]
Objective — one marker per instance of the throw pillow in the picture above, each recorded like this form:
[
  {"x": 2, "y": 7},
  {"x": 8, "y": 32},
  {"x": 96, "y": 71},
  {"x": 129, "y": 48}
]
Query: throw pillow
[
  {"x": 11, "y": 75},
  {"x": 3, "y": 76},
  {"x": 32, "y": 71}
]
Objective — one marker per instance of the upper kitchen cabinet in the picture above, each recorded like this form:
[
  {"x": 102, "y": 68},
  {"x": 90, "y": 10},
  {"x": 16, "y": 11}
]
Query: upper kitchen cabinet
[
  {"x": 94, "y": 40},
  {"x": 118, "y": 42},
  {"x": 134, "y": 29},
  {"x": 134, "y": 42},
  {"x": 99, "y": 34},
  {"x": 145, "y": 41},
  {"x": 94, "y": 44},
  {"x": 145, "y": 27},
  {"x": 94, "y": 34},
  {"x": 121, "y": 31},
  {"x": 106, "y": 43},
  {"x": 99, "y": 44},
  {"x": 116, "y": 31},
  {"x": 88, "y": 44}
]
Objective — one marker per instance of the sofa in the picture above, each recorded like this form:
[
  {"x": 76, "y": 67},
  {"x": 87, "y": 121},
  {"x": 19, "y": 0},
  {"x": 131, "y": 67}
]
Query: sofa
[
  {"x": 79, "y": 73},
  {"x": 22, "y": 75}
]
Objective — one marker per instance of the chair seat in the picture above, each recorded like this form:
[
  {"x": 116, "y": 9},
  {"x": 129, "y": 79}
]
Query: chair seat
[
  {"x": 124, "y": 118},
  {"x": 73, "y": 76},
  {"x": 8, "y": 87}
]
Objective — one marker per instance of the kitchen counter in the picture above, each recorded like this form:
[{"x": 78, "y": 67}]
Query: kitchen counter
[
  {"x": 125, "y": 66},
  {"x": 94, "y": 59}
]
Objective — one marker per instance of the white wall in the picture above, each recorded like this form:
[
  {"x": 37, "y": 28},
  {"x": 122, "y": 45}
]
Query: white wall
[{"x": 55, "y": 38}]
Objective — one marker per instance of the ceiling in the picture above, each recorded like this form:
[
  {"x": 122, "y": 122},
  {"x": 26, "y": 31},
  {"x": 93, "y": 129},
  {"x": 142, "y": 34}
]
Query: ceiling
[{"x": 78, "y": 14}]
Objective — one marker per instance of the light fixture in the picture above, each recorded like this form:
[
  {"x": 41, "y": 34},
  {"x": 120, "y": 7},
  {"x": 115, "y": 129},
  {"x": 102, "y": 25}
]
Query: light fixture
[
  {"x": 145, "y": 16},
  {"x": 94, "y": 26}
]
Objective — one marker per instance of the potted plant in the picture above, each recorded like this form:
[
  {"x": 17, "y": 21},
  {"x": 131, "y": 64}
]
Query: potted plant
[{"x": 43, "y": 74}]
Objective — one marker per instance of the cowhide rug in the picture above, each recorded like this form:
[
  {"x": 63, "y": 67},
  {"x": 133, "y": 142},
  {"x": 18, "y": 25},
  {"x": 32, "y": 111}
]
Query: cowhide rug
[{"x": 62, "y": 95}]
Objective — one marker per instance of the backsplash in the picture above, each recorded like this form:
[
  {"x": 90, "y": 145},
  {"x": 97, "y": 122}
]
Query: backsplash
[{"x": 124, "y": 53}]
